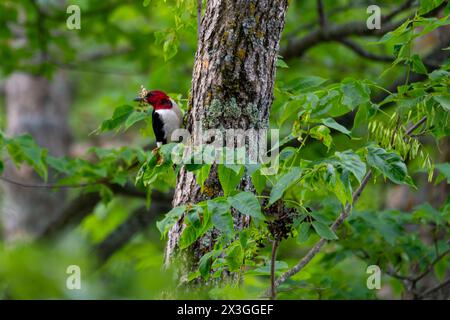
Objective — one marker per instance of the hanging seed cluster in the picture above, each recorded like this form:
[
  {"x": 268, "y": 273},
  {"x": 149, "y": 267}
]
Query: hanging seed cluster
[{"x": 408, "y": 147}]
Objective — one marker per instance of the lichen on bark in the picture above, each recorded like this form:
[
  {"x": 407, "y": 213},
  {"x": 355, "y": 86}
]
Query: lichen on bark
[{"x": 220, "y": 114}]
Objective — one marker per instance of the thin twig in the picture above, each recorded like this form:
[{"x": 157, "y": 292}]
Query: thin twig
[
  {"x": 415, "y": 126},
  {"x": 273, "y": 289},
  {"x": 363, "y": 53},
  {"x": 51, "y": 186},
  {"x": 431, "y": 265},
  {"x": 398, "y": 276},
  {"x": 434, "y": 289}
]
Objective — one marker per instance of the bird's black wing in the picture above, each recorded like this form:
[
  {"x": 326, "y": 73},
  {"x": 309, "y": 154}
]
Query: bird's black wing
[{"x": 158, "y": 127}]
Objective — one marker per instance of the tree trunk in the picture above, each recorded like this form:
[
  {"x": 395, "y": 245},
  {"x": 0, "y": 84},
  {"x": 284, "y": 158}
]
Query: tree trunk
[
  {"x": 232, "y": 88},
  {"x": 38, "y": 107}
]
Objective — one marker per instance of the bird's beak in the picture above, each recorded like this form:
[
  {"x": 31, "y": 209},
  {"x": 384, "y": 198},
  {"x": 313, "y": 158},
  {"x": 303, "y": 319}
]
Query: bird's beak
[{"x": 138, "y": 99}]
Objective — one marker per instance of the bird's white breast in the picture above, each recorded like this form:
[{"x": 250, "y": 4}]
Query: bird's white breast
[{"x": 172, "y": 119}]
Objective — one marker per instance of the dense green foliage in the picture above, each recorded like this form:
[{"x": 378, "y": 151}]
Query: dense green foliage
[{"x": 322, "y": 159}]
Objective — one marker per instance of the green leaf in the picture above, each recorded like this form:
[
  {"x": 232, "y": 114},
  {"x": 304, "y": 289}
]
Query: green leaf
[
  {"x": 25, "y": 149},
  {"x": 146, "y": 3},
  {"x": 417, "y": 65},
  {"x": 170, "y": 46},
  {"x": 135, "y": 117},
  {"x": 2, "y": 167},
  {"x": 322, "y": 133},
  {"x": 444, "y": 101},
  {"x": 352, "y": 162},
  {"x": 235, "y": 257},
  {"x": 282, "y": 64},
  {"x": 390, "y": 164},
  {"x": 188, "y": 236},
  {"x": 441, "y": 268},
  {"x": 438, "y": 75},
  {"x": 343, "y": 188},
  {"x": 289, "y": 111},
  {"x": 305, "y": 83},
  {"x": 355, "y": 93},
  {"x": 202, "y": 174},
  {"x": 221, "y": 216},
  {"x": 228, "y": 178},
  {"x": 324, "y": 231},
  {"x": 193, "y": 275},
  {"x": 120, "y": 115},
  {"x": 284, "y": 183},
  {"x": 280, "y": 266},
  {"x": 259, "y": 181},
  {"x": 235, "y": 167},
  {"x": 444, "y": 169},
  {"x": 247, "y": 203},
  {"x": 204, "y": 265},
  {"x": 364, "y": 113},
  {"x": 402, "y": 29},
  {"x": 303, "y": 232},
  {"x": 244, "y": 236},
  {"x": 331, "y": 123},
  {"x": 429, "y": 214},
  {"x": 106, "y": 193},
  {"x": 169, "y": 220}
]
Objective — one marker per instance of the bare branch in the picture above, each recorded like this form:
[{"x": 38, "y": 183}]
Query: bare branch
[
  {"x": 74, "y": 212},
  {"x": 297, "y": 48},
  {"x": 138, "y": 221},
  {"x": 363, "y": 53},
  {"x": 83, "y": 205}
]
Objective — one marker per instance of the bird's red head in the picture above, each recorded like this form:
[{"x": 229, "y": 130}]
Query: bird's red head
[{"x": 158, "y": 99}]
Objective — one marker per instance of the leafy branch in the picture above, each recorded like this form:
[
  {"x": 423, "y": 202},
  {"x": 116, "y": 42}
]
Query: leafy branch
[{"x": 341, "y": 218}]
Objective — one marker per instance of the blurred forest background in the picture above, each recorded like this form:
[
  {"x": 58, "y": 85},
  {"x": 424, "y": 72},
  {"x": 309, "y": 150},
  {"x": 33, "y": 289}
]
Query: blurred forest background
[{"x": 60, "y": 85}]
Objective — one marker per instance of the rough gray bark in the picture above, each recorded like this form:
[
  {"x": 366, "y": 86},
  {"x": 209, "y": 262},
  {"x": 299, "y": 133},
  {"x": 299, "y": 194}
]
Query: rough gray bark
[
  {"x": 38, "y": 107},
  {"x": 232, "y": 87}
]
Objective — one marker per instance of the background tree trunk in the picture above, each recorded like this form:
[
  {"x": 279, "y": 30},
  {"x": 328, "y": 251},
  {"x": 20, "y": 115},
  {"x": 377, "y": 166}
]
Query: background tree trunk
[
  {"x": 232, "y": 87},
  {"x": 39, "y": 107}
]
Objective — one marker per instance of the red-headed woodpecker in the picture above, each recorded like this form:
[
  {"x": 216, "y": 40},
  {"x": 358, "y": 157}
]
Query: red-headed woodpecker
[{"x": 166, "y": 116}]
